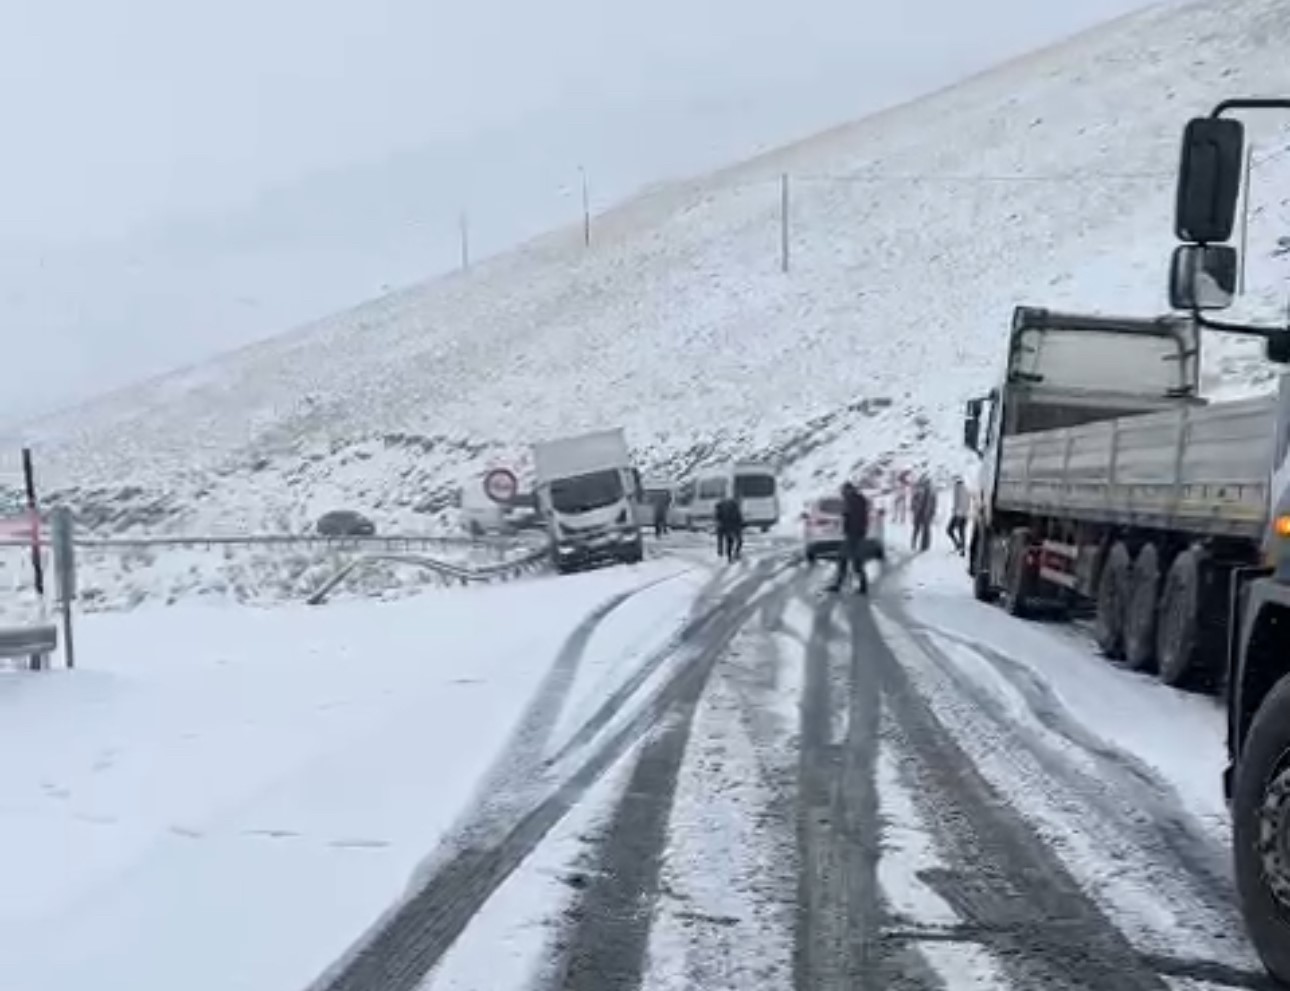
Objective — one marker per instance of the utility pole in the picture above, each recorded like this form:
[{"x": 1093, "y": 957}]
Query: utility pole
[
  {"x": 1245, "y": 215},
  {"x": 586, "y": 209},
  {"x": 783, "y": 222},
  {"x": 465, "y": 241}
]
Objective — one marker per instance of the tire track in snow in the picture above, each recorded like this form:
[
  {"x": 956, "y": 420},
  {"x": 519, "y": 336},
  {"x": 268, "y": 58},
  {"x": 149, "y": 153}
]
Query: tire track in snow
[
  {"x": 518, "y": 773},
  {"x": 691, "y": 636},
  {"x": 1133, "y": 806},
  {"x": 606, "y": 946},
  {"x": 837, "y": 823},
  {"x": 606, "y": 950},
  {"x": 1005, "y": 881},
  {"x": 404, "y": 945}
]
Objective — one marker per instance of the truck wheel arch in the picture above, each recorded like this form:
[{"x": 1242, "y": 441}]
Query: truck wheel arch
[{"x": 1264, "y": 661}]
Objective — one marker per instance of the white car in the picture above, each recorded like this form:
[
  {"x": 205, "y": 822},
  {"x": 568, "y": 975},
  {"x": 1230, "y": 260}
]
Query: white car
[{"x": 822, "y": 528}]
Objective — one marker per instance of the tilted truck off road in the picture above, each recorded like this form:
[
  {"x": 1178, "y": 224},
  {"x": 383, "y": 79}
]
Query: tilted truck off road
[{"x": 1106, "y": 478}]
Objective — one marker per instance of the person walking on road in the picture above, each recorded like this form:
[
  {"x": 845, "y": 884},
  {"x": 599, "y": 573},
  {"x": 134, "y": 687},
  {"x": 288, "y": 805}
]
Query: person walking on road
[
  {"x": 923, "y": 509},
  {"x": 960, "y": 506},
  {"x": 660, "y": 515},
  {"x": 855, "y": 533},
  {"x": 730, "y": 529}
]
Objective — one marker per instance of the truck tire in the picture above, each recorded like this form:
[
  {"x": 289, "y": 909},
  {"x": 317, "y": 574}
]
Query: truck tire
[
  {"x": 1140, "y": 616},
  {"x": 1178, "y": 622},
  {"x": 982, "y": 588},
  {"x": 1113, "y": 589},
  {"x": 1021, "y": 581},
  {"x": 1261, "y": 831}
]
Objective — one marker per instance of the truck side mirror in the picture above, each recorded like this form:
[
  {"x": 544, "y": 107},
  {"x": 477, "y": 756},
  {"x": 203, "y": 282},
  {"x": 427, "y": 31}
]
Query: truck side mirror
[
  {"x": 972, "y": 426},
  {"x": 1209, "y": 179},
  {"x": 1202, "y": 277}
]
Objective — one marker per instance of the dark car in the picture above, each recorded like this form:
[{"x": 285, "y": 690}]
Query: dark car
[{"x": 345, "y": 523}]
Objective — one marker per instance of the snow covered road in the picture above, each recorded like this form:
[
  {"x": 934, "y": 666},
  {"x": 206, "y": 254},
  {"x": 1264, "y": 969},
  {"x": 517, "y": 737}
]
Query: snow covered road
[
  {"x": 672, "y": 777},
  {"x": 833, "y": 793}
]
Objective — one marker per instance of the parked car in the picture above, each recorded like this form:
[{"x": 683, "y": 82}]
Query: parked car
[
  {"x": 345, "y": 523},
  {"x": 822, "y": 528}
]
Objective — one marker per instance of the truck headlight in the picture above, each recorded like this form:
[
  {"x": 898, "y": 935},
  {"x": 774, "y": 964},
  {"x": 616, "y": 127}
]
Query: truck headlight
[{"x": 1277, "y": 551}]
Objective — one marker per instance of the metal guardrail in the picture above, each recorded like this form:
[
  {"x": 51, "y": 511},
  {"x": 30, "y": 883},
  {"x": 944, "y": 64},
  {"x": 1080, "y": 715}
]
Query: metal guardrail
[
  {"x": 388, "y": 541},
  {"x": 35, "y": 642},
  {"x": 532, "y": 561}
]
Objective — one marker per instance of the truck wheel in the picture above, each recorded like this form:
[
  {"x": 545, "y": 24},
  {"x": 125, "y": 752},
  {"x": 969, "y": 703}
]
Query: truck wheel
[
  {"x": 982, "y": 589},
  {"x": 1140, "y": 615},
  {"x": 1179, "y": 614},
  {"x": 1261, "y": 831},
  {"x": 1113, "y": 589},
  {"x": 1020, "y": 580}
]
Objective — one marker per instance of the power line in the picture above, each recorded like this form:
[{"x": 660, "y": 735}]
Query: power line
[{"x": 1058, "y": 178}]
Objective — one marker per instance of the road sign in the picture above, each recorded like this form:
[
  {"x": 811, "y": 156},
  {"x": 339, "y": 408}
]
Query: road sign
[{"x": 501, "y": 485}]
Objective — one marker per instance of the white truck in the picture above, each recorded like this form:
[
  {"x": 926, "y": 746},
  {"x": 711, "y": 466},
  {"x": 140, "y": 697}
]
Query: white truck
[
  {"x": 1107, "y": 480},
  {"x": 587, "y": 492}
]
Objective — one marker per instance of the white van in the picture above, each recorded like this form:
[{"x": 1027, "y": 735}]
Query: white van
[
  {"x": 710, "y": 487},
  {"x": 757, "y": 489},
  {"x": 678, "y": 514},
  {"x": 754, "y": 485}
]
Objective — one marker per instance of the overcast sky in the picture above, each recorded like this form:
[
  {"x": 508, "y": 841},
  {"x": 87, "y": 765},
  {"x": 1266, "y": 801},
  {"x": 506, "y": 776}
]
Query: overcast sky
[{"x": 140, "y": 131}]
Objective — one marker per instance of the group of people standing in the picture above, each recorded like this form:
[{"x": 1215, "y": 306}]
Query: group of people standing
[{"x": 921, "y": 505}]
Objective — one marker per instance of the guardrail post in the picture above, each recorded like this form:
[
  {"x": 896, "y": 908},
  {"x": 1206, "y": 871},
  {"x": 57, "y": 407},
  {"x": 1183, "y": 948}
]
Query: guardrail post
[{"x": 65, "y": 575}]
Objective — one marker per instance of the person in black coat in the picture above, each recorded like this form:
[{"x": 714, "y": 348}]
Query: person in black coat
[
  {"x": 855, "y": 533},
  {"x": 730, "y": 529}
]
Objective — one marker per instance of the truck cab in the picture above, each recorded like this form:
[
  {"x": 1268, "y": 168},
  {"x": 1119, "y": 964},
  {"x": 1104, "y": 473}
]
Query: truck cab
[
  {"x": 1066, "y": 370},
  {"x": 588, "y": 492}
]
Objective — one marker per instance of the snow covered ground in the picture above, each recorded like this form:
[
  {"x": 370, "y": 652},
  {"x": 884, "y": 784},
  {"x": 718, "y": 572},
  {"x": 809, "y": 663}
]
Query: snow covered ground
[
  {"x": 250, "y": 788},
  {"x": 913, "y": 233},
  {"x": 664, "y": 777}
]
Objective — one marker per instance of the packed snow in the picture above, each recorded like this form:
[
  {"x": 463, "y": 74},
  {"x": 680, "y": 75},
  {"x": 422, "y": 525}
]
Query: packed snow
[
  {"x": 1136, "y": 732},
  {"x": 1178, "y": 736}
]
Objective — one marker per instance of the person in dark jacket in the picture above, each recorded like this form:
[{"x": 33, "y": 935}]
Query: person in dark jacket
[
  {"x": 923, "y": 507},
  {"x": 855, "y": 533},
  {"x": 661, "y": 505},
  {"x": 730, "y": 529}
]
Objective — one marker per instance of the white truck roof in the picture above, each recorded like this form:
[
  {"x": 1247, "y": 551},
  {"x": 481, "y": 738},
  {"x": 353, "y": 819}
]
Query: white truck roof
[{"x": 568, "y": 457}]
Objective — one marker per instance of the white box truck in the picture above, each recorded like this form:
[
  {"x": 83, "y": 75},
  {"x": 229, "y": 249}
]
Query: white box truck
[{"x": 587, "y": 492}]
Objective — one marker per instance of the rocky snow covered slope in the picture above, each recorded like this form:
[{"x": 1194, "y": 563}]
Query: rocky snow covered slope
[{"x": 913, "y": 233}]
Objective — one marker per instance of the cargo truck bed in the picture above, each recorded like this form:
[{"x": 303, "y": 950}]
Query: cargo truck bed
[{"x": 1196, "y": 468}]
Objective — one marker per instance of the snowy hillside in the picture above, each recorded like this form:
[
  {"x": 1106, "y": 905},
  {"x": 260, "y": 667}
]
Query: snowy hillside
[{"x": 912, "y": 234}]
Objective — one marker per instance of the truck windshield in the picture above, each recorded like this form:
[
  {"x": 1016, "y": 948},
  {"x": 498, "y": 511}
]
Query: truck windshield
[
  {"x": 584, "y": 492},
  {"x": 754, "y": 486}
]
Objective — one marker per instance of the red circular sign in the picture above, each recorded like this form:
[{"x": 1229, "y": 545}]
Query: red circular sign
[{"x": 501, "y": 485}]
